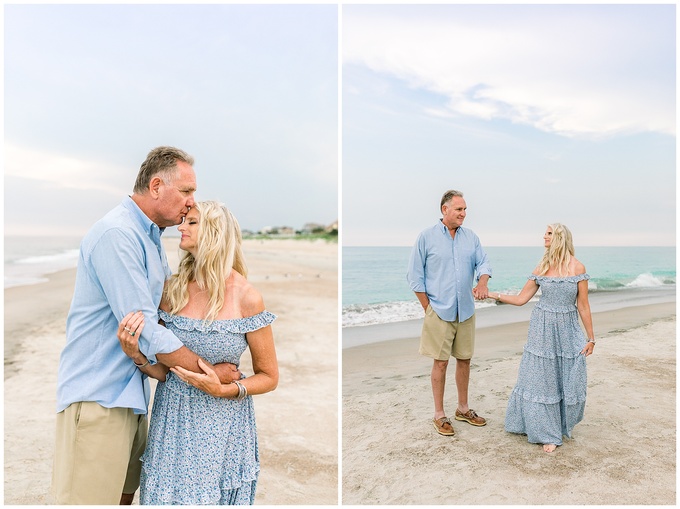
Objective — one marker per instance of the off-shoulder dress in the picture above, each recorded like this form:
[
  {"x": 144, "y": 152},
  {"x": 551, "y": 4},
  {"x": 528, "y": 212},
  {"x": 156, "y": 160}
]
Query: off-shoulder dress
[
  {"x": 550, "y": 395},
  {"x": 202, "y": 449}
]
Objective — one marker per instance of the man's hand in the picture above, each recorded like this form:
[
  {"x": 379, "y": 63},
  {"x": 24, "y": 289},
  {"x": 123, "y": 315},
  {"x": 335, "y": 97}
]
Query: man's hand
[
  {"x": 227, "y": 372},
  {"x": 423, "y": 299},
  {"x": 481, "y": 291}
]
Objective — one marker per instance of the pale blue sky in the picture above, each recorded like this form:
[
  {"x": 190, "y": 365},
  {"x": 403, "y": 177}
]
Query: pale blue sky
[
  {"x": 250, "y": 91},
  {"x": 538, "y": 113}
]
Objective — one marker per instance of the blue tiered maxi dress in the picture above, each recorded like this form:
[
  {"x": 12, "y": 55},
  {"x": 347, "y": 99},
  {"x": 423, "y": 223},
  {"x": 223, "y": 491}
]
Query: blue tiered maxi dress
[
  {"x": 202, "y": 450},
  {"x": 550, "y": 395}
]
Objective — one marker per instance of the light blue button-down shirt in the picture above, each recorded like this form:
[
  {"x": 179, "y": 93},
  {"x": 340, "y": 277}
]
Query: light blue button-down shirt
[
  {"x": 122, "y": 268},
  {"x": 445, "y": 268}
]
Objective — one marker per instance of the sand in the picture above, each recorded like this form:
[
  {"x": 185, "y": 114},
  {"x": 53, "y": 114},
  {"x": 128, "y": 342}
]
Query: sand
[
  {"x": 623, "y": 452},
  {"x": 297, "y": 423}
]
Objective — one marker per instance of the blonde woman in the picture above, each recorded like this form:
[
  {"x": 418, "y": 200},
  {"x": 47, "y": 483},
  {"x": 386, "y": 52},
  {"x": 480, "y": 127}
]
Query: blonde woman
[
  {"x": 202, "y": 446},
  {"x": 550, "y": 395}
]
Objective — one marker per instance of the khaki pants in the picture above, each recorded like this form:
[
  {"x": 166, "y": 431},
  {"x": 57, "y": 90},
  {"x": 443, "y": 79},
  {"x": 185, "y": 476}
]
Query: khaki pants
[
  {"x": 441, "y": 340},
  {"x": 96, "y": 458}
]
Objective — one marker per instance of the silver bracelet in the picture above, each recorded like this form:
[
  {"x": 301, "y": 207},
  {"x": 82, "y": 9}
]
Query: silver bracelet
[
  {"x": 140, "y": 366},
  {"x": 591, "y": 340},
  {"x": 242, "y": 391}
]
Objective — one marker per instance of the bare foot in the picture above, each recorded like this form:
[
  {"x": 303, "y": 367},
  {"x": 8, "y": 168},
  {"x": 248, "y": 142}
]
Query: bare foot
[{"x": 549, "y": 447}]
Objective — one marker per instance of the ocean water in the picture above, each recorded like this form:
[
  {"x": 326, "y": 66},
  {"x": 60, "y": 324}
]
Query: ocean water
[
  {"x": 375, "y": 290},
  {"x": 29, "y": 259}
]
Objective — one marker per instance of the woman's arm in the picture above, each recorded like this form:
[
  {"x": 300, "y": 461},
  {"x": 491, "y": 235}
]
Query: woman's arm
[
  {"x": 265, "y": 366},
  {"x": 524, "y": 296},
  {"x": 129, "y": 329},
  {"x": 583, "y": 306}
]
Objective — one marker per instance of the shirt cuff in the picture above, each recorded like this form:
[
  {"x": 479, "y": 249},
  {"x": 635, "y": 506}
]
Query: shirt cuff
[{"x": 162, "y": 341}]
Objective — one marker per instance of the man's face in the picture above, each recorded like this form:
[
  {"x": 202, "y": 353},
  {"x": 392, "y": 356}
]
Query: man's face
[
  {"x": 177, "y": 197},
  {"x": 454, "y": 212}
]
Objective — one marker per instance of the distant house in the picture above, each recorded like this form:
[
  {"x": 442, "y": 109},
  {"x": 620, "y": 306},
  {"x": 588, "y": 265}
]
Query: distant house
[
  {"x": 282, "y": 231},
  {"x": 307, "y": 229},
  {"x": 312, "y": 228},
  {"x": 286, "y": 230}
]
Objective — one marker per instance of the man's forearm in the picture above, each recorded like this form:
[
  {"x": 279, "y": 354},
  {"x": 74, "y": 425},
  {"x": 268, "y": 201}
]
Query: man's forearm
[
  {"x": 227, "y": 372},
  {"x": 189, "y": 360},
  {"x": 423, "y": 299}
]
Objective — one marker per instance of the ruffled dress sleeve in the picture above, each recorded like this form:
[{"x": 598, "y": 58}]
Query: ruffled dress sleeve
[{"x": 237, "y": 325}]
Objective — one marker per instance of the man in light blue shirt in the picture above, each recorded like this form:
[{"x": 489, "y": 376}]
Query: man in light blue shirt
[
  {"x": 102, "y": 396},
  {"x": 445, "y": 261}
]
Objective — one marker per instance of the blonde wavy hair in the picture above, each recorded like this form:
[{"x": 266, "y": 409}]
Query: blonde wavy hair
[
  {"x": 560, "y": 252},
  {"x": 218, "y": 253}
]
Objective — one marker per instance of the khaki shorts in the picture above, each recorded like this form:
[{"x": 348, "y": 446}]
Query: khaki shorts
[
  {"x": 441, "y": 340},
  {"x": 97, "y": 454}
]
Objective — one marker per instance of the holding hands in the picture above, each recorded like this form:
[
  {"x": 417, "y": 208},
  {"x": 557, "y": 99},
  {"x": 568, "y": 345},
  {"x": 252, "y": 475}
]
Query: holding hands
[{"x": 481, "y": 291}]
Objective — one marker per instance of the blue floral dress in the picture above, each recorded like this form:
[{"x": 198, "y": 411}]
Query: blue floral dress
[
  {"x": 550, "y": 395},
  {"x": 202, "y": 449}
]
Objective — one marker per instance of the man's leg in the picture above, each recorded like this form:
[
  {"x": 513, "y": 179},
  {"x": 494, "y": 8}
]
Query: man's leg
[
  {"x": 438, "y": 379},
  {"x": 135, "y": 466},
  {"x": 92, "y": 453},
  {"x": 127, "y": 498},
  {"x": 435, "y": 342},
  {"x": 462, "y": 383}
]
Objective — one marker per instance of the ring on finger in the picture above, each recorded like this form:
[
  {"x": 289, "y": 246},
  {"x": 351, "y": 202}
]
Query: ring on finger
[{"x": 127, "y": 330}]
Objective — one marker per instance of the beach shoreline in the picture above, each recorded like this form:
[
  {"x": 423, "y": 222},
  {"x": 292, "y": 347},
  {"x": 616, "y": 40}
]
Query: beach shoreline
[
  {"x": 505, "y": 314},
  {"x": 297, "y": 439},
  {"x": 616, "y": 456}
]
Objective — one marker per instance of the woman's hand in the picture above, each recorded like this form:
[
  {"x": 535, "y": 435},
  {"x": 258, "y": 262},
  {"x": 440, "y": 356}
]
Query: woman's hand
[
  {"x": 208, "y": 381},
  {"x": 129, "y": 330},
  {"x": 588, "y": 349}
]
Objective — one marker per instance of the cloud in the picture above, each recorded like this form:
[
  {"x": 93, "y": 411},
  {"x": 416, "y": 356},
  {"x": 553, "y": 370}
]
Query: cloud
[
  {"x": 67, "y": 171},
  {"x": 61, "y": 171},
  {"x": 576, "y": 72}
]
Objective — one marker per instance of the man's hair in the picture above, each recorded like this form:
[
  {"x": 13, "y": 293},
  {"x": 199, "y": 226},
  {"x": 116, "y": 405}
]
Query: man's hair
[
  {"x": 160, "y": 161},
  {"x": 447, "y": 197}
]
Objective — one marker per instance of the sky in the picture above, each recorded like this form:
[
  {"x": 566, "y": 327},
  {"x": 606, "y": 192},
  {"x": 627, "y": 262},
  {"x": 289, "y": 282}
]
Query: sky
[
  {"x": 251, "y": 91},
  {"x": 538, "y": 113}
]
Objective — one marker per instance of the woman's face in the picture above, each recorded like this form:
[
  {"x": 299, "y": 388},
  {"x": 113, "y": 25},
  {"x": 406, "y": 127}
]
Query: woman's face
[
  {"x": 189, "y": 231},
  {"x": 547, "y": 237}
]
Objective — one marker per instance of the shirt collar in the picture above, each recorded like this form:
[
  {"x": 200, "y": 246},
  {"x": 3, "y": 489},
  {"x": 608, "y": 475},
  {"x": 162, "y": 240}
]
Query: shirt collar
[
  {"x": 147, "y": 224},
  {"x": 444, "y": 229}
]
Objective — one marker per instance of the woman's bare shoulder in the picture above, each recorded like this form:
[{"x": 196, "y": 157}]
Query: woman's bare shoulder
[
  {"x": 251, "y": 301},
  {"x": 577, "y": 267}
]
